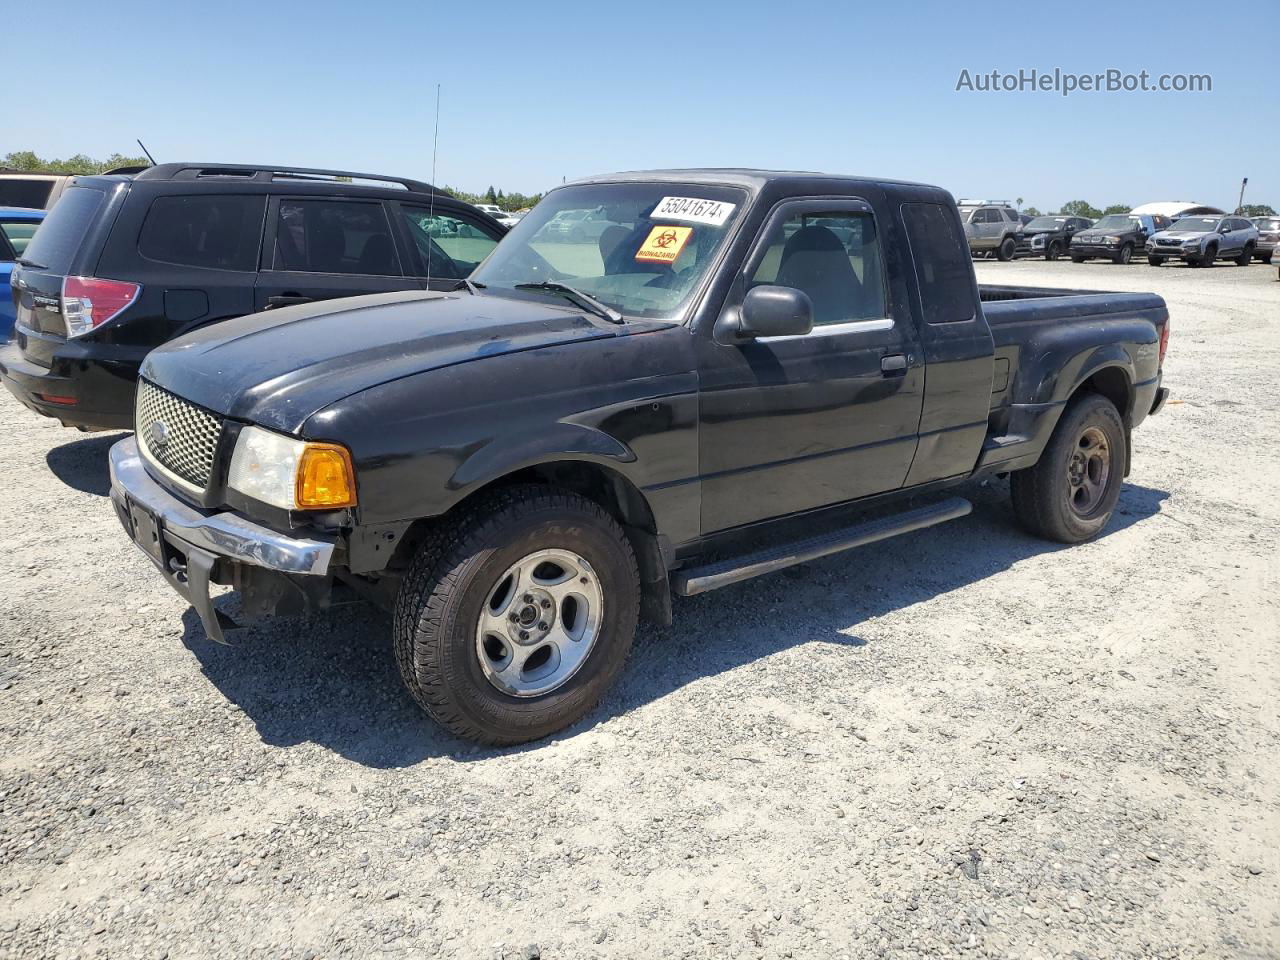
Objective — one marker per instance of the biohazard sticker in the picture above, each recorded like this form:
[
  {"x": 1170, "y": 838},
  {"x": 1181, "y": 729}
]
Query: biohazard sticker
[{"x": 664, "y": 244}]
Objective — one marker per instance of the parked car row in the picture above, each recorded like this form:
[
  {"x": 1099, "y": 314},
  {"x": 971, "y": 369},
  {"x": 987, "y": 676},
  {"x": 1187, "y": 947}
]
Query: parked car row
[
  {"x": 995, "y": 227},
  {"x": 126, "y": 262}
]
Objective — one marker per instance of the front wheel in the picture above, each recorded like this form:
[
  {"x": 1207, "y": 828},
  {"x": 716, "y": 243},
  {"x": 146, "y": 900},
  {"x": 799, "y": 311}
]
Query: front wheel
[
  {"x": 1209, "y": 257},
  {"x": 1125, "y": 255},
  {"x": 1008, "y": 246},
  {"x": 1054, "y": 251},
  {"x": 1071, "y": 492},
  {"x": 1077, "y": 258},
  {"x": 1266, "y": 257},
  {"x": 517, "y": 615},
  {"x": 1155, "y": 261}
]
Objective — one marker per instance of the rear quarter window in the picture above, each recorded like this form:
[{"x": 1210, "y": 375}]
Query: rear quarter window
[
  {"x": 16, "y": 192},
  {"x": 209, "y": 232},
  {"x": 56, "y": 243},
  {"x": 943, "y": 269}
]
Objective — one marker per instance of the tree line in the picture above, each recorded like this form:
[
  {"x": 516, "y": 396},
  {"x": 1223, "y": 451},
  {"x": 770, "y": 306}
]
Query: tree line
[
  {"x": 26, "y": 160},
  {"x": 1082, "y": 208}
]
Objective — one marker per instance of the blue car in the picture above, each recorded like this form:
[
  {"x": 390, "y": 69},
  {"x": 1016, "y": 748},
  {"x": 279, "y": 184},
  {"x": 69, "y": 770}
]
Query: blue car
[{"x": 17, "y": 225}]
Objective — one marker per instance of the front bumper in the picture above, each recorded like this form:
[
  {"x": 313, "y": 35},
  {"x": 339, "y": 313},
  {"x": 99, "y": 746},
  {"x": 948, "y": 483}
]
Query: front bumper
[
  {"x": 1095, "y": 250},
  {"x": 194, "y": 548},
  {"x": 1173, "y": 253}
]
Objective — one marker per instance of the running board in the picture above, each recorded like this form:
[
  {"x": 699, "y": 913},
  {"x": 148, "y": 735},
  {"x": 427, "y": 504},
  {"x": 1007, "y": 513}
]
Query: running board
[{"x": 712, "y": 576}]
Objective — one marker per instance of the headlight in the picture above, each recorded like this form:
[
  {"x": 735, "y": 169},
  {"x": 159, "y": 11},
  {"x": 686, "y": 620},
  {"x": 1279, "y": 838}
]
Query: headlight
[
  {"x": 292, "y": 474},
  {"x": 1111, "y": 241}
]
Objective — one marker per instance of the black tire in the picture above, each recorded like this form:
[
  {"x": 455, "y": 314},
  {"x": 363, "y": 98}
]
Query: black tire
[
  {"x": 1246, "y": 257},
  {"x": 1155, "y": 261},
  {"x": 440, "y": 600},
  {"x": 1266, "y": 257},
  {"x": 1008, "y": 247},
  {"x": 1054, "y": 251},
  {"x": 1076, "y": 258},
  {"x": 1125, "y": 255},
  {"x": 1210, "y": 256},
  {"x": 1043, "y": 494}
]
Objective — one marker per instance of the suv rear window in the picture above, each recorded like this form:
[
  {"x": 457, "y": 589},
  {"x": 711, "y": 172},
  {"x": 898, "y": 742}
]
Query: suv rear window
[
  {"x": 55, "y": 244},
  {"x": 214, "y": 232},
  {"x": 16, "y": 192}
]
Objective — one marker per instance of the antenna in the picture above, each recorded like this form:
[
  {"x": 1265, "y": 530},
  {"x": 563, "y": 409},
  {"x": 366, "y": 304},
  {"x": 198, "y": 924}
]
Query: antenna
[
  {"x": 435, "y": 149},
  {"x": 147, "y": 152}
]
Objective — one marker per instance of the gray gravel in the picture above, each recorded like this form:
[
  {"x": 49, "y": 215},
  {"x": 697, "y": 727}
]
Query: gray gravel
[{"x": 963, "y": 743}]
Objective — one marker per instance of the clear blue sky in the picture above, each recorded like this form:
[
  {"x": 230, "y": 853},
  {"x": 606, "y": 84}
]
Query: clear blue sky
[{"x": 534, "y": 92}]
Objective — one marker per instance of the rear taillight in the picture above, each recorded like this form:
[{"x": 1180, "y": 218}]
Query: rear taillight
[
  {"x": 88, "y": 303},
  {"x": 1164, "y": 341}
]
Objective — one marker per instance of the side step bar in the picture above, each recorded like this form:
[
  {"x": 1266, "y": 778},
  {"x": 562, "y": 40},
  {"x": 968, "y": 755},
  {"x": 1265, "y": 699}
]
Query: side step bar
[{"x": 712, "y": 576}]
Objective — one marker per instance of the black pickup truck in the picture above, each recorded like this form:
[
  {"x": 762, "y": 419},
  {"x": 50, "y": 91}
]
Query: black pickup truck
[{"x": 745, "y": 370}]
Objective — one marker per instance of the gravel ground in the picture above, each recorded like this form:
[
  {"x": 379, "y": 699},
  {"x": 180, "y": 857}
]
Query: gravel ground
[{"x": 965, "y": 742}]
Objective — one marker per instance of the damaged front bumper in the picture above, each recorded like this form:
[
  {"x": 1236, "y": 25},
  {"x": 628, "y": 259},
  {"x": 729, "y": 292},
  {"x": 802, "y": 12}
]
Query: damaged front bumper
[{"x": 193, "y": 548}]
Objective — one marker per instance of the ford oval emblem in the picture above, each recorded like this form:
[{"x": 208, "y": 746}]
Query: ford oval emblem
[{"x": 159, "y": 433}]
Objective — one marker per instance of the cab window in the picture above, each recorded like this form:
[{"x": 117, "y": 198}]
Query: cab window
[
  {"x": 334, "y": 236},
  {"x": 834, "y": 258}
]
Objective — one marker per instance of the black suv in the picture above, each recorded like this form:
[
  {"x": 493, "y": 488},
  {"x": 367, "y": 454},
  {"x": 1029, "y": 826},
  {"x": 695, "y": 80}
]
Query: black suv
[{"x": 124, "y": 263}]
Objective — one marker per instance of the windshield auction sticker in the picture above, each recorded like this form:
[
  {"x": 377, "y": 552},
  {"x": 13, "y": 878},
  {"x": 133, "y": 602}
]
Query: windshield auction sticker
[
  {"x": 664, "y": 243},
  {"x": 694, "y": 210}
]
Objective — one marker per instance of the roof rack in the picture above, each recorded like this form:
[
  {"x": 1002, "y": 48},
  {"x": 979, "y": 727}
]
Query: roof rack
[
  {"x": 194, "y": 171},
  {"x": 983, "y": 203}
]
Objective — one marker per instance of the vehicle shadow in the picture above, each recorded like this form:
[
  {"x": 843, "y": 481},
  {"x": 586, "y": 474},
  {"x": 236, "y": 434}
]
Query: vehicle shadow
[
  {"x": 82, "y": 464},
  {"x": 333, "y": 681}
]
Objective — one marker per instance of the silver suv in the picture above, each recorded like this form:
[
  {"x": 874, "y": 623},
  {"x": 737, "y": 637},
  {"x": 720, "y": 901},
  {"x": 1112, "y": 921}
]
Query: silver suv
[
  {"x": 1200, "y": 240},
  {"x": 991, "y": 226},
  {"x": 1268, "y": 237}
]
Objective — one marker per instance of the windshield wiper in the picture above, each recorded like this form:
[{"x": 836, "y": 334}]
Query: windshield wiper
[
  {"x": 24, "y": 262},
  {"x": 470, "y": 286},
  {"x": 577, "y": 296}
]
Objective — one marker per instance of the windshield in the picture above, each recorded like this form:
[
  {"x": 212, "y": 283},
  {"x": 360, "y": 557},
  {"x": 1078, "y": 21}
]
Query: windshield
[
  {"x": 964, "y": 213},
  {"x": 1046, "y": 223},
  {"x": 1196, "y": 224},
  {"x": 640, "y": 248},
  {"x": 1262, "y": 223},
  {"x": 1117, "y": 221}
]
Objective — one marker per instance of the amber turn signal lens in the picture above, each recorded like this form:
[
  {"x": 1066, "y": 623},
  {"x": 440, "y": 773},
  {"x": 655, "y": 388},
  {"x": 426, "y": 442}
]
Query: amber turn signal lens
[{"x": 325, "y": 478}]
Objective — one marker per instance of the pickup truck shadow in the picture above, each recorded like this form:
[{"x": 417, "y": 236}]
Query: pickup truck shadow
[
  {"x": 82, "y": 464},
  {"x": 333, "y": 680}
]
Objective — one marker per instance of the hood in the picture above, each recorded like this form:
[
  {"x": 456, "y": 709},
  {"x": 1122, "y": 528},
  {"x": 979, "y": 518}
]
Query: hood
[
  {"x": 1182, "y": 234},
  {"x": 279, "y": 367},
  {"x": 1108, "y": 232}
]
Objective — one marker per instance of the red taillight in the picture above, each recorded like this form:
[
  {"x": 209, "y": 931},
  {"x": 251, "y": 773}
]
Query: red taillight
[
  {"x": 1164, "y": 341},
  {"x": 88, "y": 303}
]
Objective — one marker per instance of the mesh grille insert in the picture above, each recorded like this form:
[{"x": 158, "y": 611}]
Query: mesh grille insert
[{"x": 177, "y": 434}]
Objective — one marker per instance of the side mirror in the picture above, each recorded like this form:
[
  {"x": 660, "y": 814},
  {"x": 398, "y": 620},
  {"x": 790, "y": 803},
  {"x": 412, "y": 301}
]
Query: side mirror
[
  {"x": 1225, "y": 228},
  {"x": 769, "y": 311}
]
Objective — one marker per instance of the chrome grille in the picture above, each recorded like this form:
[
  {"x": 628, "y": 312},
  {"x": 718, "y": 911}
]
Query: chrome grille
[{"x": 176, "y": 434}]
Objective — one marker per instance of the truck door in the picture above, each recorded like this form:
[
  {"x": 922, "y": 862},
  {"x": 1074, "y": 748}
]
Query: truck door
[
  {"x": 956, "y": 343},
  {"x": 318, "y": 248},
  {"x": 792, "y": 423}
]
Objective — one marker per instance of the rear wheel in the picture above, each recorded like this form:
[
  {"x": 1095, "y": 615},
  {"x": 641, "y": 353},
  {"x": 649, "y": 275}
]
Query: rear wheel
[
  {"x": 518, "y": 615},
  {"x": 1246, "y": 257},
  {"x": 1008, "y": 246},
  {"x": 1126, "y": 254},
  {"x": 1071, "y": 492},
  {"x": 1155, "y": 261}
]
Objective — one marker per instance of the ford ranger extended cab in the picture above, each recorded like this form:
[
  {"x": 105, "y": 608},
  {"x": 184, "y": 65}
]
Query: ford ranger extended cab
[{"x": 744, "y": 371}]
